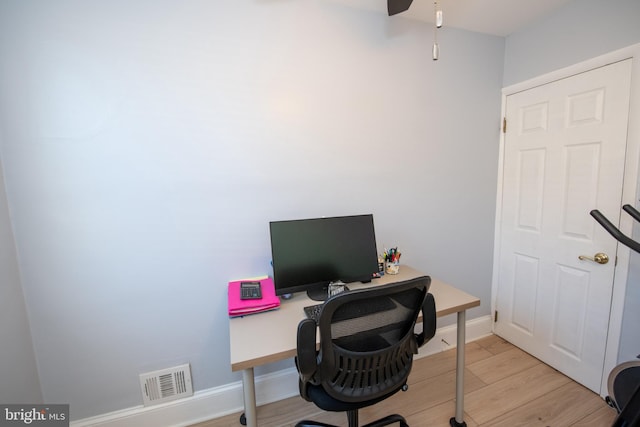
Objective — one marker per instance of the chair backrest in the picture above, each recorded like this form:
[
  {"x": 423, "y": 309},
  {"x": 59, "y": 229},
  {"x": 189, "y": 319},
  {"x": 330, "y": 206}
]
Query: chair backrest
[{"x": 367, "y": 339}]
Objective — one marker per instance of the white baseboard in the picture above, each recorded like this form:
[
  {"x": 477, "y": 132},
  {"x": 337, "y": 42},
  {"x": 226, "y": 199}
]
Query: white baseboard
[
  {"x": 227, "y": 399},
  {"x": 446, "y": 337}
]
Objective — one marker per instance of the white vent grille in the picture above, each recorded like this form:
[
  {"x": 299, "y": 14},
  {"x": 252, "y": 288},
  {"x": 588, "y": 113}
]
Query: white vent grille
[{"x": 166, "y": 384}]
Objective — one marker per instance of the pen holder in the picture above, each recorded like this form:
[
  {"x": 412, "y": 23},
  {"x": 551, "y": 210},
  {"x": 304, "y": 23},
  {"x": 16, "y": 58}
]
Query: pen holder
[{"x": 392, "y": 267}]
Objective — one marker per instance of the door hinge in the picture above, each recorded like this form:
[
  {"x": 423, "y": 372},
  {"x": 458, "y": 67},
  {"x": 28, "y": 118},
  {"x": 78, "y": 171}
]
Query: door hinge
[
  {"x": 504, "y": 125},
  {"x": 495, "y": 316}
]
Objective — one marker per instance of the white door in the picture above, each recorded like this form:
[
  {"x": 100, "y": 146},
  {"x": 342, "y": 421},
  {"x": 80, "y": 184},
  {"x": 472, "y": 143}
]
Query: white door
[{"x": 564, "y": 155}]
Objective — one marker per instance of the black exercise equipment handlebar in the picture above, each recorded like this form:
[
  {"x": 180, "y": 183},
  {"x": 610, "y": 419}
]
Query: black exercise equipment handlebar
[{"x": 617, "y": 234}]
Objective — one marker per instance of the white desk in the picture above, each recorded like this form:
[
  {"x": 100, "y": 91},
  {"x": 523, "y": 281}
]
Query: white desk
[{"x": 251, "y": 346}]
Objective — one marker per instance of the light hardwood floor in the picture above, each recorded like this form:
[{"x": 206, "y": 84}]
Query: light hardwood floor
[{"x": 504, "y": 386}]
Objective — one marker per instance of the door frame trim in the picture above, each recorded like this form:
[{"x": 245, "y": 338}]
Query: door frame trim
[{"x": 629, "y": 189}]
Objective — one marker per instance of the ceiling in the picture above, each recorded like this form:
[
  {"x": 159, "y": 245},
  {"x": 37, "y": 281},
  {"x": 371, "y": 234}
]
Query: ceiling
[{"x": 497, "y": 17}]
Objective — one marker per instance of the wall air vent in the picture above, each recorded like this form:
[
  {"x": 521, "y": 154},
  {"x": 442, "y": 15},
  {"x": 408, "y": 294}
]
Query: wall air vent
[{"x": 166, "y": 385}]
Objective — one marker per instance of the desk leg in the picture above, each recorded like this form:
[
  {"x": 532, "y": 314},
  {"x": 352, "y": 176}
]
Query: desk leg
[
  {"x": 249, "y": 390},
  {"x": 461, "y": 331}
]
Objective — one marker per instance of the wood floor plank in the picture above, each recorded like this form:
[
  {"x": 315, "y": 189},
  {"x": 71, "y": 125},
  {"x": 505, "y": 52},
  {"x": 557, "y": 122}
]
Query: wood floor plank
[
  {"x": 562, "y": 407},
  {"x": 603, "y": 416},
  {"x": 503, "y": 365},
  {"x": 287, "y": 412},
  {"x": 494, "y": 344},
  {"x": 436, "y": 416},
  {"x": 512, "y": 392},
  {"x": 439, "y": 363},
  {"x": 227, "y": 420}
]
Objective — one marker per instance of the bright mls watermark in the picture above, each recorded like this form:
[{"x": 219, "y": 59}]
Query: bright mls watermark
[{"x": 34, "y": 415}]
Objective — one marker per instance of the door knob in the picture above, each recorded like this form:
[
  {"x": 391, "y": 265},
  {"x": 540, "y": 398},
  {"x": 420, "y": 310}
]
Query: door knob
[{"x": 600, "y": 258}]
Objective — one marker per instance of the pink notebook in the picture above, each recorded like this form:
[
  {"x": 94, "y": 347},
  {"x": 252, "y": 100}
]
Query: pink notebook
[{"x": 242, "y": 307}]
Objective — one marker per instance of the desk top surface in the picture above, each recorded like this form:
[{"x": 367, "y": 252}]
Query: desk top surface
[{"x": 269, "y": 337}]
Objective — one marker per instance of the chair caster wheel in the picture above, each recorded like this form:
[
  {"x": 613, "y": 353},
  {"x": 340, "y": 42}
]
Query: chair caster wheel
[{"x": 243, "y": 419}]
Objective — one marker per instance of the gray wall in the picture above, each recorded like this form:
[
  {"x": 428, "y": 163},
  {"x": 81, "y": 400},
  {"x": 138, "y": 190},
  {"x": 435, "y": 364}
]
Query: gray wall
[
  {"x": 581, "y": 30},
  {"x": 147, "y": 144},
  {"x": 18, "y": 370}
]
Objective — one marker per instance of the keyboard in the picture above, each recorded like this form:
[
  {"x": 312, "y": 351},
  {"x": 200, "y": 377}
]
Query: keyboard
[
  {"x": 313, "y": 312},
  {"x": 382, "y": 304}
]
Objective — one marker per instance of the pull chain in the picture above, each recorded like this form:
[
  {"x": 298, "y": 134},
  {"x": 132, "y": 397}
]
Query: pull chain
[{"x": 435, "y": 52}]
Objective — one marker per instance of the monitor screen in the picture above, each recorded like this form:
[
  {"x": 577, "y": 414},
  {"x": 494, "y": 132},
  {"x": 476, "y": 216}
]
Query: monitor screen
[{"x": 308, "y": 254}]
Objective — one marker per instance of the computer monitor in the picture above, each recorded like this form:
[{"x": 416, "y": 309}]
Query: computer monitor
[{"x": 308, "y": 254}]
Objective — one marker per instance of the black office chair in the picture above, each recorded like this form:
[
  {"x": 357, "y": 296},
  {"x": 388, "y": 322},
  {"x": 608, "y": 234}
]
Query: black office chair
[{"x": 367, "y": 343}]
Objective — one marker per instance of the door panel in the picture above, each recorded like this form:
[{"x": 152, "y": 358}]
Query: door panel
[
  {"x": 524, "y": 295},
  {"x": 568, "y": 325},
  {"x": 581, "y": 171},
  {"x": 530, "y": 175},
  {"x": 564, "y": 154}
]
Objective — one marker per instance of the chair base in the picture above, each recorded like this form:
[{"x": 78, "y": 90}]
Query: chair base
[
  {"x": 353, "y": 421},
  {"x": 395, "y": 418}
]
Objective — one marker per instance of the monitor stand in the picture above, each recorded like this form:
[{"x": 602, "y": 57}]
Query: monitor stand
[{"x": 318, "y": 294}]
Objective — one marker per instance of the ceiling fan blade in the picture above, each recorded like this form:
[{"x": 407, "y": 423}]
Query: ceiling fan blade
[{"x": 397, "y": 6}]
